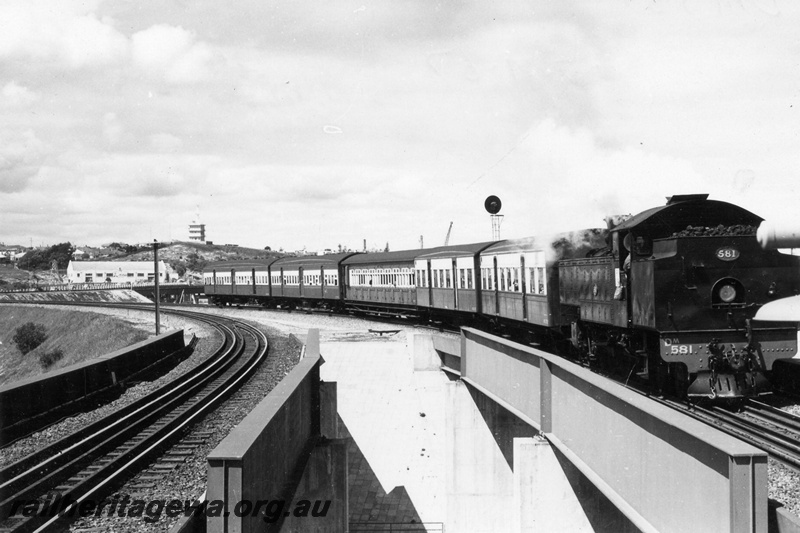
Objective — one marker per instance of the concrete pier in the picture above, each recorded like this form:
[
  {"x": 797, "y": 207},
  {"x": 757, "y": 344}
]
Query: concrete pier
[
  {"x": 396, "y": 419},
  {"x": 427, "y": 451}
]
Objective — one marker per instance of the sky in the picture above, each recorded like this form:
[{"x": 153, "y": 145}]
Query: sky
[{"x": 308, "y": 125}]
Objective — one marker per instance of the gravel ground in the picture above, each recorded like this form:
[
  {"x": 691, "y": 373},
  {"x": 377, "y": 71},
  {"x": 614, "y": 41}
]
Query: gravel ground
[
  {"x": 784, "y": 486},
  {"x": 784, "y": 483}
]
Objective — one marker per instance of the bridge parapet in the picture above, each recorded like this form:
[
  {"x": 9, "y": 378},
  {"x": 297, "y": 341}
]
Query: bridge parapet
[
  {"x": 663, "y": 470},
  {"x": 141, "y": 285}
]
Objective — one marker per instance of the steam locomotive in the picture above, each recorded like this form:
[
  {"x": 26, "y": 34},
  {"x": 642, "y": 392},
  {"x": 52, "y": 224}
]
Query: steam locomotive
[{"x": 668, "y": 295}]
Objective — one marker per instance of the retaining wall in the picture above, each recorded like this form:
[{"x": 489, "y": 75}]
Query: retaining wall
[{"x": 27, "y": 401}]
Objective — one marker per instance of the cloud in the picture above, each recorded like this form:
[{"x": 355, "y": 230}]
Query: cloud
[
  {"x": 171, "y": 52},
  {"x": 21, "y": 156},
  {"x": 56, "y": 33},
  {"x": 112, "y": 128},
  {"x": 575, "y": 181},
  {"x": 165, "y": 142},
  {"x": 16, "y": 95}
]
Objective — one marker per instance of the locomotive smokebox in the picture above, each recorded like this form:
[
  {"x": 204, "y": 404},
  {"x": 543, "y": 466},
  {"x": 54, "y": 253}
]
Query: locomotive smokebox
[{"x": 773, "y": 234}]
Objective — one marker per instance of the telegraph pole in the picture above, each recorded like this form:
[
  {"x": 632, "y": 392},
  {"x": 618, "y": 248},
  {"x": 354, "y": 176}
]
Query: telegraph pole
[{"x": 158, "y": 296}]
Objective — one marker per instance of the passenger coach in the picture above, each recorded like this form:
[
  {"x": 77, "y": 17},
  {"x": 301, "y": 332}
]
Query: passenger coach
[
  {"x": 237, "y": 281},
  {"x": 381, "y": 282},
  {"x": 447, "y": 278},
  {"x": 309, "y": 280}
]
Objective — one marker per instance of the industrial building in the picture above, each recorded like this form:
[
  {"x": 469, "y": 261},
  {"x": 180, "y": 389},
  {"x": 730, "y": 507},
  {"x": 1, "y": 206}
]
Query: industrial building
[{"x": 116, "y": 271}]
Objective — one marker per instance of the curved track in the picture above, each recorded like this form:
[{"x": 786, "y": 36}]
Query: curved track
[{"x": 90, "y": 463}]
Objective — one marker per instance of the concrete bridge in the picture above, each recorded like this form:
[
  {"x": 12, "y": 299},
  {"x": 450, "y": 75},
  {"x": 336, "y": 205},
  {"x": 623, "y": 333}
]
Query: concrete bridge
[{"x": 507, "y": 438}]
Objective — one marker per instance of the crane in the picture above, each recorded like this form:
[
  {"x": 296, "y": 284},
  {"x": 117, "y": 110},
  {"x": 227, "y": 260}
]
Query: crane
[{"x": 447, "y": 239}]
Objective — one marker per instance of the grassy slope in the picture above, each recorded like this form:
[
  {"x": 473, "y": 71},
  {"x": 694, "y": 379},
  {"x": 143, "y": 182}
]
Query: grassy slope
[{"x": 81, "y": 335}]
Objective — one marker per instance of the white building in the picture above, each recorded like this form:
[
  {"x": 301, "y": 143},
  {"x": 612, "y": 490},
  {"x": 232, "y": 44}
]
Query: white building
[
  {"x": 197, "y": 230},
  {"x": 115, "y": 271}
]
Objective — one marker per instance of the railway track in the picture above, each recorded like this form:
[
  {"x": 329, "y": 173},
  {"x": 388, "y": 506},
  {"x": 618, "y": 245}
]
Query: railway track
[
  {"x": 775, "y": 431},
  {"x": 82, "y": 468}
]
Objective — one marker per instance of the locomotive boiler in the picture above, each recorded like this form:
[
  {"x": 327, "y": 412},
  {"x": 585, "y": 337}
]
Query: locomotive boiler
[{"x": 688, "y": 279}]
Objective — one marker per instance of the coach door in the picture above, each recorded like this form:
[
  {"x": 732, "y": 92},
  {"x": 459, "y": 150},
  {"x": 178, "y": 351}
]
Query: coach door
[
  {"x": 524, "y": 288},
  {"x": 454, "y": 268},
  {"x": 429, "y": 275},
  {"x": 496, "y": 286},
  {"x": 300, "y": 279}
]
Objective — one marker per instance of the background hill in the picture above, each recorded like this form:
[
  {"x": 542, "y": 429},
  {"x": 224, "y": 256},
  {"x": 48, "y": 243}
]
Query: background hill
[{"x": 186, "y": 259}]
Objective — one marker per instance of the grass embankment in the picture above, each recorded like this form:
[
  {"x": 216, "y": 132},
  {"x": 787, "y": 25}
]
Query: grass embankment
[{"x": 80, "y": 335}]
